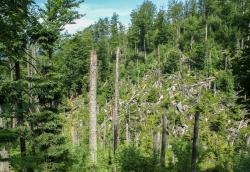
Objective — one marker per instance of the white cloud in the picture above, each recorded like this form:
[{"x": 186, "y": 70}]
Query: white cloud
[
  {"x": 93, "y": 13},
  {"x": 79, "y": 24}
]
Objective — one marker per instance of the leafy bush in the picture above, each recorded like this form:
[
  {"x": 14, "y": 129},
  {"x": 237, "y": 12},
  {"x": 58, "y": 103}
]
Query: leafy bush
[{"x": 132, "y": 159}]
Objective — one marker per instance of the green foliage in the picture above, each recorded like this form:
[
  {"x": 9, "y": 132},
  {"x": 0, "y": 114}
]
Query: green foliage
[
  {"x": 225, "y": 81},
  {"x": 7, "y": 135},
  {"x": 131, "y": 158},
  {"x": 167, "y": 66},
  {"x": 182, "y": 153}
]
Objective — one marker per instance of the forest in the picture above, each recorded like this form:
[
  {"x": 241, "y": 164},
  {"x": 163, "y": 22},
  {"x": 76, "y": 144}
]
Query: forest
[{"x": 170, "y": 92}]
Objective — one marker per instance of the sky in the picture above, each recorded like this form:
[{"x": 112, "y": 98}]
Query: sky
[{"x": 95, "y": 9}]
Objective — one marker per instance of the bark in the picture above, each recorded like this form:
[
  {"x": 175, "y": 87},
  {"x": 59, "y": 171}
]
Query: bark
[
  {"x": 226, "y": 62},
  {"x": 127, "y": 134},
  {"x": 4, "y": 166},
  {"x": 145, "y": 49},
  {"x": 248, "y": 141},
  {"x": 104, "y": 135},
  {"x": 1, "y": 119},
  {"x": 135, "y": 48},
  {"x": 115, "y": 113},
  {"x": 20, "y": 116},
  {"x": 156, "y": 143},
  {"x": 158, "y": 54},
  {"x": 164, "y": 140},
  {"x": 92, "y": 108},
  {"x": 206, "y": 31},
  {"x": 13, "y": 122},
  {"x": 180, "y": 62},
  {"x": 4, "y": 163},
  {"x": 242, "y": 43},
  {"x": 11, "y": 72},
  {"x": 214, "y": 88},
  {"x": 195, "y": 142},
  {"x": 191, "y": 42},
  {"x": 74, "y": 136}
]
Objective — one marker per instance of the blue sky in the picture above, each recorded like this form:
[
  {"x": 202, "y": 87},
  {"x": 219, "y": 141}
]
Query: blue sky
[{"x": 95, "y": 9}]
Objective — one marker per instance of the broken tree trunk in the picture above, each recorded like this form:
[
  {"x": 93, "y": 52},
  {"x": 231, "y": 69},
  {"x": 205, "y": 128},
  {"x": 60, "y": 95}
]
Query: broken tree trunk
[
  {"x": 164, "y": 140},
  {"x": 92, "y": 108},
  {"x": 116, "y": 103},
  {"x": 195, "y": 141}
]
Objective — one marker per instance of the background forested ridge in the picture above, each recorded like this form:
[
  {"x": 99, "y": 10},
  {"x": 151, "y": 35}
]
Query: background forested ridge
[{"x": 170, "y": 92}]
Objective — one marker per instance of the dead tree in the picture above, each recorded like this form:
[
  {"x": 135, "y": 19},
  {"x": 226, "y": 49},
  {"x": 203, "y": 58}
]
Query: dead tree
[
  {"x": 92, "y": 108},
  {"x": 74, "y": 136},
  {"x": 116, "y": 103},
  {"x": 164, "y": 140},
  {"x": 195, "y": 141},
  {"x": 4, "y": 160}
]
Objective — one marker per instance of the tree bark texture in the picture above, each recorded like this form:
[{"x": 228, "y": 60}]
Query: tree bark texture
[
  {"x": 92, "y": 108},
  {"x": 164, "y": 140},
  {"x": 116, "y": 103},
  {"x": 195, "y": 141}
]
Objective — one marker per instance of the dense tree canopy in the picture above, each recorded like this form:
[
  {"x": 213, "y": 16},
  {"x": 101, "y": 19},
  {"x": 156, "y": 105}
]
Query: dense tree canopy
[{"x": 171, "y": 93}]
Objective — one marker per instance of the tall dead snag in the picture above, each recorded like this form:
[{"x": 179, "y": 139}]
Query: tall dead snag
[
  {"x": 127, "y": 134},
  {"x": 145, "y": 49},
  {"x": 116, "y": 104},
  {"x": 195, "y": 141},
  {"x": 206, "y": 30},
  {"x": 92, "y": 107},
  {"x": 164, "y": 140}
]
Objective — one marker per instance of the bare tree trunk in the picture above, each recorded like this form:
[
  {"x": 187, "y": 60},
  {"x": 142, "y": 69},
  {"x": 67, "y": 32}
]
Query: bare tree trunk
[
  {"x": 138, "y": 71},
  {"x": 164, "y": 140},
  {"x": 242, "y": 43},
  {"x": 156, "y": 144},
  {"x": 158, "y": 54},
  {"x": 127, "y": 134},
  {"x": 115, "y": 114},
  {"x": 191, "y": 42},
  {"x": 1, "y": 119},
  {"x": 104, "y": 135},
  {"x": 11, "y": 66},
  {"x": 92, "y": 108},
  {"x": 135, "y": 49},
  {"x": 248, "y": 37},
  {"x": 248, "y": 141},
  {"x": 145, "y": 49},
  {"x": 4, "y": 163},
  {"x": 177, "y": 32},
  {"x": 226, "y": 62},
  {"x": 214, "y": 88},
  {"x": 195, "y": 141},
  {"x": 206, "y": 31},
  {"x": 74, "y": 136},
  {"x": 11, "y": 72}
]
